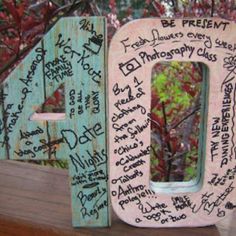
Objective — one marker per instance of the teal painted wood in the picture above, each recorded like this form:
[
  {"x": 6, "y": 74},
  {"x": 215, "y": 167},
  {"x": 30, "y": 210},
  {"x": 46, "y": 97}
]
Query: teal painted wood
[{"x": 73, "y": 54}]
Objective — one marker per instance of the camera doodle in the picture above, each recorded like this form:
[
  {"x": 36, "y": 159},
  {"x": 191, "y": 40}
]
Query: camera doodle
[{"x": 129, "y": 66}]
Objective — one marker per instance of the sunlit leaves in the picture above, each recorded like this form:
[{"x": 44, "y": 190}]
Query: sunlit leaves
[{"x": 175, "y": 100}]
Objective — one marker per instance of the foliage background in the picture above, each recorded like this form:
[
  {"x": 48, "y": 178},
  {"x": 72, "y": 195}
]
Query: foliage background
[
  {"x": 24, "y": 22},
  {"x": 175, "y": 113}
]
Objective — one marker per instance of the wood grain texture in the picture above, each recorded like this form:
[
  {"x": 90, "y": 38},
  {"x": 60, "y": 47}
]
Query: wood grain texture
[
  {"x": 72, "y": 54},
  {"x": 132, "y": 56},
  {"x": 35, "y": 200}
]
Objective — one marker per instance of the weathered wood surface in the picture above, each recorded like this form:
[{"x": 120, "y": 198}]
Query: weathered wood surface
[
  {"x": 132, "y": 55},
  {"x": 73, "y": 54},
  {"x": 35, "y": 200}
]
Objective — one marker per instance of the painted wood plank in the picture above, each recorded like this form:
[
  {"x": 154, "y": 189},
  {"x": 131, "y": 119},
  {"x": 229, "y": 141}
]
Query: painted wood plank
[
  {"x": 35, "y": 185},
  {"x": 132, "y": 55},
  {"x": 73, "y": 54}
]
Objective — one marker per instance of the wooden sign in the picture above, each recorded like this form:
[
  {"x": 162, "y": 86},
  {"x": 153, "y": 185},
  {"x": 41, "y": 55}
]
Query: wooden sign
[
  {"x": 73, "y": 54},
  {"x": 134, "y": 50}
]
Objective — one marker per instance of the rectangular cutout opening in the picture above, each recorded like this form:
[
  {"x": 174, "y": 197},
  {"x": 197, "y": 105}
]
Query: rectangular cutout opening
[
  {"x": 178, "y": 113},
  {"x": 53, "y": 109}
]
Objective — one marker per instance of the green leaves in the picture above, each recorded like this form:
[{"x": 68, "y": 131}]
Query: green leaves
[
  {"x": 175, "y": 96},
  {"x": 160, "y": 83},
  {"x": 168, "y": 86}
]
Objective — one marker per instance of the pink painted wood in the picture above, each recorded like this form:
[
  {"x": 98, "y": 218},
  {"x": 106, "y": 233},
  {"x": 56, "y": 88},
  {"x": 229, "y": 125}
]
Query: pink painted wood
[{"x": 134, "y": 50}]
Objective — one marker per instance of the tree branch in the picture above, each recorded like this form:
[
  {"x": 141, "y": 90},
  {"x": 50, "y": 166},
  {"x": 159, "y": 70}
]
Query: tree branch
[
  {"x": 7, "y": 46},
  {"x": 212, "y": 8},
  {"x": 186, "y": 117},
  {"x": 169, "y": 162}
]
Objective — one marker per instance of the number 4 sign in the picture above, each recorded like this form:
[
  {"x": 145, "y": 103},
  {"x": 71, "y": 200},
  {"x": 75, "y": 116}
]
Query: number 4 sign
[
  {"x": 132, "y": 55},
  {"x": 72, "y": 53}
]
